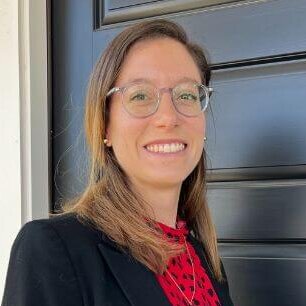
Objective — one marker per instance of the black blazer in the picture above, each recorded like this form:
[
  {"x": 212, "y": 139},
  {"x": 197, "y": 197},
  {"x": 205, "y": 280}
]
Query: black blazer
[{"x": 62, "y": 262}]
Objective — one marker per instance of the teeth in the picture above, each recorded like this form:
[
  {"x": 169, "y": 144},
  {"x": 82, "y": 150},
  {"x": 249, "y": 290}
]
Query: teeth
[{"x": 166, "y": 148}]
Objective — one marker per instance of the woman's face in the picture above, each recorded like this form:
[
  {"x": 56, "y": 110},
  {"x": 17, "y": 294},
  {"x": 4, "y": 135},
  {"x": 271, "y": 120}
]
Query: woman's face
[{"x": 163, "y": 62}]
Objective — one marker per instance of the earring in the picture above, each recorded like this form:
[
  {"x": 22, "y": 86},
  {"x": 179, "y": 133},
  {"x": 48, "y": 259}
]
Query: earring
[
  {"x": 105, "y": 140},
  {"x": 205, "y": 138}
]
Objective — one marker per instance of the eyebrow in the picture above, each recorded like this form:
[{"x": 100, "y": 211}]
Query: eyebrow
[{"x": 151, "y": 80}]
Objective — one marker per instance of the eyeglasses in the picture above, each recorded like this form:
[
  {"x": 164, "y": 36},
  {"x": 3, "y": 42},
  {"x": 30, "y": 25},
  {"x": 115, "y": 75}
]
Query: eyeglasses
[{"x": 141, "y": 99}]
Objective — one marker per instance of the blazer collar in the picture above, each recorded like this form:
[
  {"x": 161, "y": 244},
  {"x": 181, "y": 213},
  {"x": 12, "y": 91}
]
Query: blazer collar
[
  {"x": 138, "y": 283},
  {"x": 219, "y": 287}
]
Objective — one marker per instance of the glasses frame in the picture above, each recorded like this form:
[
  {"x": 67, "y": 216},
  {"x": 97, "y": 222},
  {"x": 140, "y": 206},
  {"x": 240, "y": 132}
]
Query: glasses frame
[{"x": 208, "y": 90}]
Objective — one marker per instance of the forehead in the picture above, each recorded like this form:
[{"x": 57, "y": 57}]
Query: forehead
[{"x": 162, "y": 61}]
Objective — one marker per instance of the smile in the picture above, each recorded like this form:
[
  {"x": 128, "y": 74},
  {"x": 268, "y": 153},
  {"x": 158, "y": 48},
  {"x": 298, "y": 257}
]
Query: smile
[{"x": 166, "y": 147}]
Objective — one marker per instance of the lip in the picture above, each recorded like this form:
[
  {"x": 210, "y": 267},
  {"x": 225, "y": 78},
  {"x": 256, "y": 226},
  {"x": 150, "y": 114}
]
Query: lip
[{"x": 163, "y": 141}]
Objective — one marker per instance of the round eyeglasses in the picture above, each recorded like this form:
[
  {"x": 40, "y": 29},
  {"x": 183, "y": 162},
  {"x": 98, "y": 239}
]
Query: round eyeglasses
[{"x": 142, "y": 99}]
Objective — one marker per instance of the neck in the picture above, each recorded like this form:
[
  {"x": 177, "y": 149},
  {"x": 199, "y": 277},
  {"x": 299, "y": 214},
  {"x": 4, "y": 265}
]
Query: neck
[{"x": 163, "y": 202}]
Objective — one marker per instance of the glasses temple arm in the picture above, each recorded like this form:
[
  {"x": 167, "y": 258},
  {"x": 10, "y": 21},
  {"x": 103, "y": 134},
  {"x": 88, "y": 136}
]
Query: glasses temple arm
[{"x": 113, "y": 90}]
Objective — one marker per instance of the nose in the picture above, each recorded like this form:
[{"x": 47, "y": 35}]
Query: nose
[{"x": 166, "y": 114}]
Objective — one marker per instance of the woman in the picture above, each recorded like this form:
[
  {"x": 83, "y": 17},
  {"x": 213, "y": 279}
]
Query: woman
[{"x": 140, "y": 233}]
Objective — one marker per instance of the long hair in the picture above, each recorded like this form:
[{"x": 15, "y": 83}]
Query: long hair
[{"x": 108, "y": 201}]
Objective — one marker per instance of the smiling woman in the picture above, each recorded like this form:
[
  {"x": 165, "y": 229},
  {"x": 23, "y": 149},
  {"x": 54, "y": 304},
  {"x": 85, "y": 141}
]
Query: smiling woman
[{"x": 141, "y": 232}]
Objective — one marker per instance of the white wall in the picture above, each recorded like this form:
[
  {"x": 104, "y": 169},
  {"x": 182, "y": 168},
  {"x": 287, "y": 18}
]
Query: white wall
[
  {"x": 10, "y": 173},
  {"x": 24, "y": 185}
]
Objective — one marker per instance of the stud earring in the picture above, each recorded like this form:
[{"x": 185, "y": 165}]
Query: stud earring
[
  {"x": 105, "y": 140},
  {"x": 205, "y": 138}
]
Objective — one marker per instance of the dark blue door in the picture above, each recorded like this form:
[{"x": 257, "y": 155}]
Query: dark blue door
[{"x": 256, "y": 130}]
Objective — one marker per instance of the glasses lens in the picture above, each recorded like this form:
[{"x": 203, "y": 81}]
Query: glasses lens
[
  {"x": 190, "y": 98},
  {"x": 140, "y": 100}
]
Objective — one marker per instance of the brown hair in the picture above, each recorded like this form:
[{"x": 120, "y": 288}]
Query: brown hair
[{"x": 108, "y": 201}]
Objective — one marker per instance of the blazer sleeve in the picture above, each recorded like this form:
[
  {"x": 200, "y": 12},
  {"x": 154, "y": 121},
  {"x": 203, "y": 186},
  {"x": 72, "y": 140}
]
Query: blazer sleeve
[{"x": 40, "y": 271}]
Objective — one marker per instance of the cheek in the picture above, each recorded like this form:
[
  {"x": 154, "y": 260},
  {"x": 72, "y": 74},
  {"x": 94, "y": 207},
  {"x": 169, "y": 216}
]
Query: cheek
[
  {"x": 201, "y": 126},
  {"x": 124, "y": 132},
  {"x": 118, "y": 123},
  {"x": 197, "y": 127},
  {"x": 198, "y": 132}
]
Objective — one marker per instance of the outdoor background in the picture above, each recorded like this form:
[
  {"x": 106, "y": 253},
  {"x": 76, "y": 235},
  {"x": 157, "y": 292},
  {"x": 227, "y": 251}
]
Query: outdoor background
[{"x": 256, "y": 131}]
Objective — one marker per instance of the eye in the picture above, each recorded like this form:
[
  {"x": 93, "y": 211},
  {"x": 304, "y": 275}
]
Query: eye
[
  {"x": 139, "y": 96},
  {"x": 188, "y": 96}
]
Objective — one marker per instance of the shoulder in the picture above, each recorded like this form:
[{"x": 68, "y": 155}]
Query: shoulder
[
  {"x": 38, "y": 236},
  {"x": 59, "y": 236},
  {"x": 67, "y": 226},
  {"x": 40, "y": 266}
]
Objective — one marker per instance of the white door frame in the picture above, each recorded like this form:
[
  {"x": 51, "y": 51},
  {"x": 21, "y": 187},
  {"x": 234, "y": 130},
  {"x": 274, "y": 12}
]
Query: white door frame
[{"x": 24, "y": 119}]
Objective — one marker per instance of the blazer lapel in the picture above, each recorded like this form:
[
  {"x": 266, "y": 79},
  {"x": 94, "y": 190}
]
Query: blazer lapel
[
  {"x": 137, "y": 282},
  {"x": 219, "y": 288}
]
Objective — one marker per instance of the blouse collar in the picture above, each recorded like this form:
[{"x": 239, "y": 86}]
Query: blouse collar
[{"x": 178, "y": 234}]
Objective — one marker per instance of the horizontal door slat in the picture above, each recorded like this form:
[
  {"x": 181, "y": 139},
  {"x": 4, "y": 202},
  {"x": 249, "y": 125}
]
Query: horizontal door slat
[
  {"x": 266, "y": 281},
  {"x": 243, "y": 211},
  {"x": 258, "y": 117}
]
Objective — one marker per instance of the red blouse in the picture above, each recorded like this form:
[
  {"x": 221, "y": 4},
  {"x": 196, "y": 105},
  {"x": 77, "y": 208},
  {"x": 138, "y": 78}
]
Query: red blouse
[{"x": 180, "y": 268}]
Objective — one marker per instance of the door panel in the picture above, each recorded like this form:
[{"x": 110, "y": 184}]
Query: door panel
[
  {"x": 259, "y": 210},
  {"x": 266, "y": 275},
  {"x": 258, "y": 116},
  {"x": 109, "y": 12},
  {"x": 235, "y": 32}
]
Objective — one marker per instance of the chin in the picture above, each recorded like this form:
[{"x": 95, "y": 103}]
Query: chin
[{"x": 165, "y": 180}]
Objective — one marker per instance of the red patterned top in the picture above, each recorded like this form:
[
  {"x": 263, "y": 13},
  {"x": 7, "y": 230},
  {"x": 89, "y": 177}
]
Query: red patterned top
[{"x": 181, "y": 270}]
